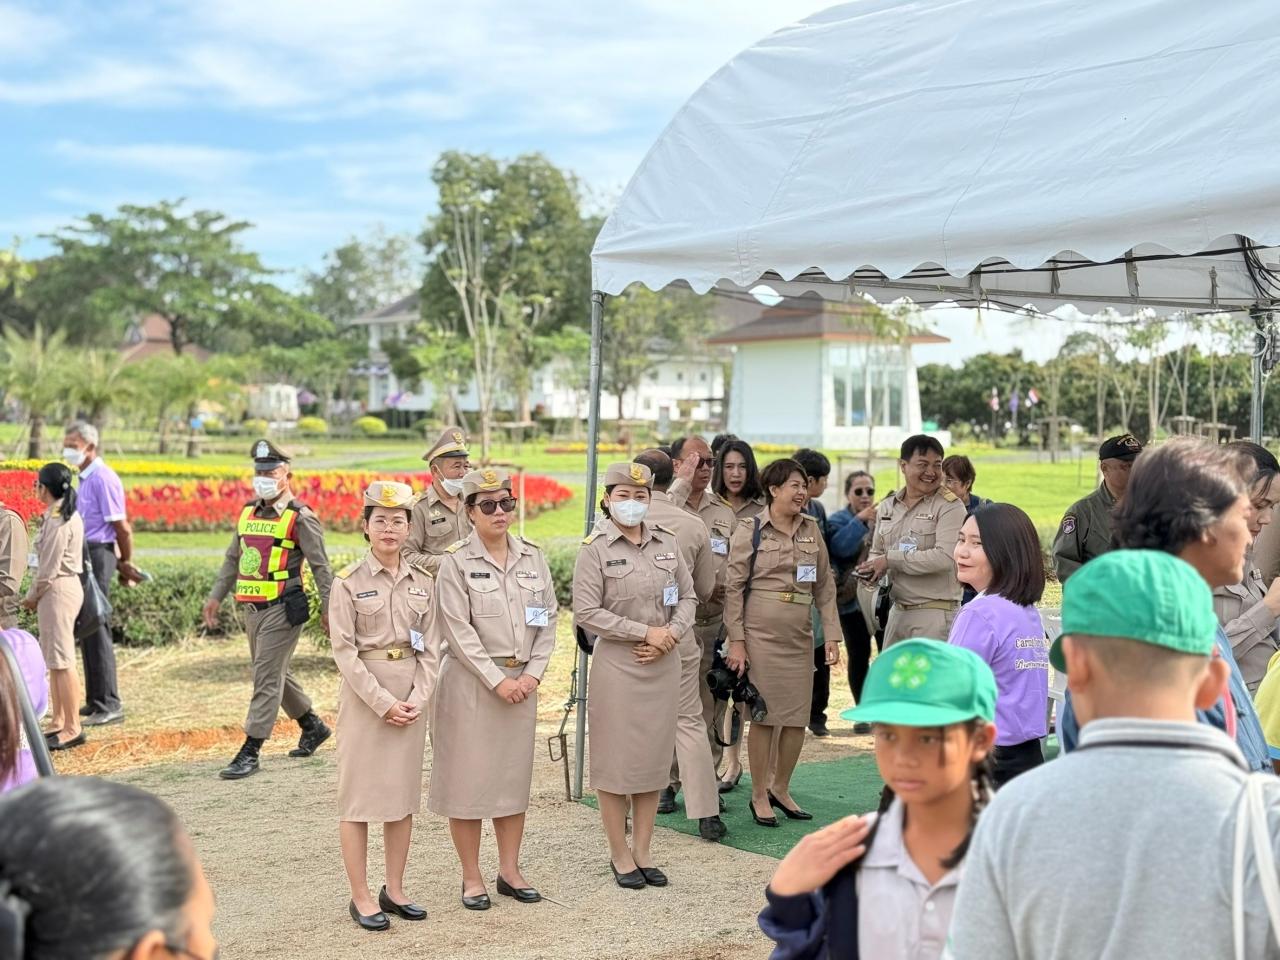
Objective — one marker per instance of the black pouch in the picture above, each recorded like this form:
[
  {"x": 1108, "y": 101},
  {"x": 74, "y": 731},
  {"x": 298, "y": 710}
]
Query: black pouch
[{"x": 297, "y": 610}]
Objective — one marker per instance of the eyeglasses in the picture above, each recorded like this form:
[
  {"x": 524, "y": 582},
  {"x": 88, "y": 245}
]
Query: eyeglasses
[
  {"x": 863, "y": 491},
  {"x": 382, "y": 523},
  {"x": 489, "y": 507}
]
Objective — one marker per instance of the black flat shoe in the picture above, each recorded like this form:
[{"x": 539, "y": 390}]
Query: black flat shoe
[
  {"x": 523, "y": 894},
  {"x": 726, "y": 785},
  {"x": 629, "y": 881},
  {"x": 77, "y": 741},
  {"x": 761, "y": 821},
  {"x": 790, "y": 814},
  {"x": 405, "y": 911},
  {"x": 480, "y": 901},
  {"x": 373, "y": 922},
  {"x": 667, "y": 801},
  {"x": 712, "y": 829},
  {"x": 653, "y": 877}
]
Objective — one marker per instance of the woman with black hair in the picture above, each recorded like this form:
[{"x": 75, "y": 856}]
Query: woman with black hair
[
  {"x": 737, "y": 478},
  {"x": 56, "y": 596},
  {"x": 145, "y": 898},
  {"x": 998, "y": 555}
]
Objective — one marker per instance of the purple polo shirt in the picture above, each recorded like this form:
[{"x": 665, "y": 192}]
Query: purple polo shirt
[
  {"x": 100, "y": 502},
  {"x": 31, "y": 663},
  {"x": 1011, "y": 639}
]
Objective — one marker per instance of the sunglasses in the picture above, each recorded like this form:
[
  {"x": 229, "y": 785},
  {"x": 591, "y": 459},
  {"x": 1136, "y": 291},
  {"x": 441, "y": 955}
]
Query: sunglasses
[
  {"x": 707, "y": 462},
  {"x": 864, "y": 491},
  {"x": 490, "y": 507}
]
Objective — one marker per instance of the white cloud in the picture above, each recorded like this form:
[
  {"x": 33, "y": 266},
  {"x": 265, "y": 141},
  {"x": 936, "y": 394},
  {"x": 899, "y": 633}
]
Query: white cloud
[
  {"x": 26, "y": 34},
  {"x": 176, "y": 160}
]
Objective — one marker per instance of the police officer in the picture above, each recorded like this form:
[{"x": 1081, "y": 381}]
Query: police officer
[
  {"x": 439, "y": 519},
  {"x": 273, "y": 535},
  {"x": 693, "y": 763},
  {"x": 1085, "y": 532},
  {"x": 915, "y": 538}
]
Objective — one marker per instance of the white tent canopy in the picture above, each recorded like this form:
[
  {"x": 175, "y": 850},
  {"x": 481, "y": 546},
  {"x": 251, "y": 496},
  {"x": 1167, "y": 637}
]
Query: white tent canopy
[{"x": 938, "y": 142}]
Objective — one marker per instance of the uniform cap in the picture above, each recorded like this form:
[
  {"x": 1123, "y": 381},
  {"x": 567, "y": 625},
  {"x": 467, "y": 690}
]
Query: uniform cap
[
  {"x": 452, "y": 443},
  {"x": 926, "y": 683},
  {"x": 1124, "y": 447},
  {"x": 267, "y": 455},
  {"x": 485, "y": 480},
  {"x": 389, "y": 493},
  {"x": 1145, "y": 595},
  {"x": 628, "y": 474}
]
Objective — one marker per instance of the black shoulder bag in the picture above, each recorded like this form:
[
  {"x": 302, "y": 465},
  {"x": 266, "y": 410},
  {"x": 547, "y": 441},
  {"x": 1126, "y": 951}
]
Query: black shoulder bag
[{"x": 95, "y": 610}]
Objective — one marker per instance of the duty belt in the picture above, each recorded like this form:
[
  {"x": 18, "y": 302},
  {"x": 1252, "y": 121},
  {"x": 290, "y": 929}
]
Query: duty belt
[
  {"x": 930, "y": 605},
  {"x": 387, "y": 653},
  {"x": 511, "y": 662},
  {"x": 786, "y": 596}
]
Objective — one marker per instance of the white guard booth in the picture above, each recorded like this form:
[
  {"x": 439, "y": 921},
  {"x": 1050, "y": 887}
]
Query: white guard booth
[{"x": 1022, "y": 155}]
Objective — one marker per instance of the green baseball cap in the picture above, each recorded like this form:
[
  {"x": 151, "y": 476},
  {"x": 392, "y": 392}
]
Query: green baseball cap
[
  {"x": 1142, "y": 595},
  {"x": 926, "y": 683}
]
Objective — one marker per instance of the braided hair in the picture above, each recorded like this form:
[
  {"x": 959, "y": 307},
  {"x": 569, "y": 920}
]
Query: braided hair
[{"x": 56, "y": 478}]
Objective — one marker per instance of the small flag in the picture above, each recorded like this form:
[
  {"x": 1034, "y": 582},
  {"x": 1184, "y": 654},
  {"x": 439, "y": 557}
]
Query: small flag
[
  {"x": 1032, "y": 397},
  {"x": 995, "y": 399}
]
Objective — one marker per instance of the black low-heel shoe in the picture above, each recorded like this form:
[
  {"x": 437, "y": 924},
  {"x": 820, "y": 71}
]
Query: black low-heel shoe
[
  {"x": 653, "y": 877},
  {"x": 374, "y": 921},
  {"x": 790, "y": 814},
  {"x": 77, "y": 741},
  {"x": 405, "y": 911},
  {"x": 761, "y": 821},
  {"x": 523, "y": 894},
  {"x": 479, "y": 902},
  {"x": 628, "y": 881}
]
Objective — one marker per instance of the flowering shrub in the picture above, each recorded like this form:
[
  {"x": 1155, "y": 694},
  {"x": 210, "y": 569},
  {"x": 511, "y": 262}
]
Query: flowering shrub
[
  {"x": 581, "y": 447},
  {"x": 17, "y": 491},
  {"x": 150, "y": 468}
]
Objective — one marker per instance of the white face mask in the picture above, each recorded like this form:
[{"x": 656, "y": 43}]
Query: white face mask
[
  {"x": 451, "y": 487},
  {"x": 267, "y": 488},
  {"x": 72, "y": 456},
  {"x": 629, "y": 513}
]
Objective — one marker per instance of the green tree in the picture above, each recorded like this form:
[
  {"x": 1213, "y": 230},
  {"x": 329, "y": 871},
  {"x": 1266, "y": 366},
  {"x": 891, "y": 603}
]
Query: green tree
[
  {"x": 99, "y": 382},
  {"x": 363, "y": 275},
  {"x": 442, "y": 358},
  {"x": 33, "y": 372},
  {"x": 15, "y": 275}
]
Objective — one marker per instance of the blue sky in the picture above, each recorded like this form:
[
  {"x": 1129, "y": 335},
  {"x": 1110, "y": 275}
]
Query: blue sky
[{"x": 317, "y": 120}]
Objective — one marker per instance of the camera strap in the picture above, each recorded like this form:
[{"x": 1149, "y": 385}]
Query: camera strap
[{"x": 751, "y": 564}]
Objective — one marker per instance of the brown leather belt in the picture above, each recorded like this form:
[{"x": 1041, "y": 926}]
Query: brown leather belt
[
  {"x": 930, "y": 605},
  {"x": 387, "y": 653},
  {"x": 786, "y": 596}
]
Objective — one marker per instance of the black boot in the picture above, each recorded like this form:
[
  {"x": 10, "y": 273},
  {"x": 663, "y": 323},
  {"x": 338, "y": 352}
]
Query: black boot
[
  {"x": 245, "y": 763},
  {"x": 314, "y": 733},
  {"x": 712, "y": 828},
  {"x": 667, "y": 801}
]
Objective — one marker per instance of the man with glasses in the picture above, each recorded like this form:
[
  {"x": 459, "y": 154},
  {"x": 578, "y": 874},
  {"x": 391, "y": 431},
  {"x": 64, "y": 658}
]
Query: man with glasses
[
  {"x": 273, "y": 536},
  {"x": 439, "y": 518}
]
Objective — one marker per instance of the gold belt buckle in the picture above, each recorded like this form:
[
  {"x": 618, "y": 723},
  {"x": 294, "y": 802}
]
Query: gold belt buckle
[
  {"x": 787, "y": 596},
  {"x": 396, "y": 654},
  {"x": 512, "y": 663}
]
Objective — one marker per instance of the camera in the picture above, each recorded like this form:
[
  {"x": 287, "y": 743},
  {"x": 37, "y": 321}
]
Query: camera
[{"x": 725, "y": 684}]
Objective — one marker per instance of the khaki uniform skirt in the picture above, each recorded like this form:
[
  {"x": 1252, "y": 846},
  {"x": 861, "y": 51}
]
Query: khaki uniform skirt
[
  {"x": 631, "y": 714},
  {"x": 56, "y": 612},
  {"x": 379, "y": 766},
  {"x": 779, "y": 639},
  {"x": 481, "y": 746}
]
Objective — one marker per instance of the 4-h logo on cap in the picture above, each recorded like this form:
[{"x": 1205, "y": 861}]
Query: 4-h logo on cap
[
  {"x": 637, "y": 474},
  {"x": 457, "y": 437},
  {"x": 911, "y": 670},
  {"x": 489, "y": 477},
  {"x": 262, "y": 451}
]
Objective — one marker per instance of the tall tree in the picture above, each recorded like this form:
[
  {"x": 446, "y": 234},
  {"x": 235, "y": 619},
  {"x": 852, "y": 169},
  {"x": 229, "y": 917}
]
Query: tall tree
[
  {"x": 362, "y": 275},
  {"x": 15, "y": 275},
  {"x": 34, "y": 375}
]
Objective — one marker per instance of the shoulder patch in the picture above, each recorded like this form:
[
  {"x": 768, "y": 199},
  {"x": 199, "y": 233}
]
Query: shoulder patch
[
  {"x": 591, "y": 536},
  {"x": 948, "y": 496},
  {"x": 1068, "y": 524},
  {"x": 455, "y": 547}
]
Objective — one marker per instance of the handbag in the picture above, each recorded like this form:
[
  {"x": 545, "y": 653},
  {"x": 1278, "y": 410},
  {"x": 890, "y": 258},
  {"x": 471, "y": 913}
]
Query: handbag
[{"x": 95, "y": 610}]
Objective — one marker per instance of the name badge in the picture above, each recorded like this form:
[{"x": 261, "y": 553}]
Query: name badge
[
  {"x": 805, "y": 540},
  {"x": 807, "y": 573},
  {"x": 415, "y": 641},
  {"x": 665, "y": 556},
  {"x": 526, "y": 574},
  {"x": 366, "y": 595},
  {"x": 720, "y": 546},
  {"x": 33, "y": 560},
  {"x": 536, "y": 617},
  {"x": 615, "y": 563},
  {"x": 670, "y": 595},
  {"x": 479, "y": 576},
  {"x": 440, "y": 520}
]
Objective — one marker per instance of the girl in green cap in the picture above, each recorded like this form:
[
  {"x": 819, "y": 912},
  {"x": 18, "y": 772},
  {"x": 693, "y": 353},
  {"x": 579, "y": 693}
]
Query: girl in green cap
[{"x": 883, "y": 885}]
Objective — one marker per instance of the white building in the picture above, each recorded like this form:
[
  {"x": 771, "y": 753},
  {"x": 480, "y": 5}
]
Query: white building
[
  {"x": 690, "y": 388},
  {"x": 807, "y": 372}
]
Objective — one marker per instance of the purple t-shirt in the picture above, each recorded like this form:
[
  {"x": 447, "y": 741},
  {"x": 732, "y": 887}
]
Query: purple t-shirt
[
  {"x": 31, "y": 662},
  {"x": 100, "y": 502},
  {"x": 1011, "y": 639}
]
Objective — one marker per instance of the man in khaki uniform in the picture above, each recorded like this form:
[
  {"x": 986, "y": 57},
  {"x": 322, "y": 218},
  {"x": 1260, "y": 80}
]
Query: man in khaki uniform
[
  {"x": 691, "y": 488},
  {"x": 273, "y": 536},
  {"x": 439, "y": 518},
  {"x": 693, "y": 750},
  {"x": 14, "y": 547},
  {"x": 915, "y": 539},
  {"x": 1085, "y": 531}
]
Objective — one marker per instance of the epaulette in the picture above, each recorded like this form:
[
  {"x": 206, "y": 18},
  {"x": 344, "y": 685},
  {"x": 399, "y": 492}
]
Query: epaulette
[
  {"x": 349, "y": 569},
  {"x": 948, "y": 496},
  {"x": 808, "y": 516},
  {"x": 746, "y": 521},
  {"x": 591, "y": 536},
  {"x": 661, "y": 529},
  {"x": 422, "y": 568},
  {"x": 528, "y": 542},
  {"x": 719, "y": 500},
  {"x": 454, "y": 548}
]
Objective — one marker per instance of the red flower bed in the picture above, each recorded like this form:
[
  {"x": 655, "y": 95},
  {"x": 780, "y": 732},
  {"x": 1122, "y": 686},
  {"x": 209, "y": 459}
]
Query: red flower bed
[{"x": 17, "y": 491}]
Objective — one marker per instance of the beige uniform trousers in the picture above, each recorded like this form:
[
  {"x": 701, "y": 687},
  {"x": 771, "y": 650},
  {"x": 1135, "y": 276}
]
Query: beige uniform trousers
[
  {"x": 693, "y": 767},
  {"x": 271, "y": 644},
  {"x": 923, "y": 622}
]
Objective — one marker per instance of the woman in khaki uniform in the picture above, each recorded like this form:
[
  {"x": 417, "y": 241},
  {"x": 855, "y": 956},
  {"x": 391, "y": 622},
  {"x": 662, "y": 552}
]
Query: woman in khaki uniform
[
  {"x": 737, "y": 479},
  {"x": 634, "y": 593},
  {"x": 379, "y": 612},
  {"x": 56, "y": 595},
  {"x": 494, "y": 630},
  {"x": 772, "y": 631}
]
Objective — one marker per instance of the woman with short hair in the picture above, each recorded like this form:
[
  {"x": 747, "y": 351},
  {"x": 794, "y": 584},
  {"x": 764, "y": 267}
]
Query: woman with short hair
[{"x": 998, "y": 555}]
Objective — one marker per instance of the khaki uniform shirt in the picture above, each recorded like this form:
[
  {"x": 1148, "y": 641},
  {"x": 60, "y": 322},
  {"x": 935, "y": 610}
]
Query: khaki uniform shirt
[
  {"x": 14, "y": 547},
  {"x": 1085, "y": 532},
  {"x": 486, "y": 612},
  {"x": 310, "y": 538},
  {"x": 434, "y": 528},
  {"x": 1249, "y": 625},
  {"x": 720, "y": 521},
  {"x": 694, "y": 541},
  {"x": 620, "y": 588},
  {"x": 777, "y": 569},
  {"x": 373, "y": 609},
  {"x": 919, "y": 544},
  {"x": 59, "y": 550},
  {"x": 681, "y": 492}
]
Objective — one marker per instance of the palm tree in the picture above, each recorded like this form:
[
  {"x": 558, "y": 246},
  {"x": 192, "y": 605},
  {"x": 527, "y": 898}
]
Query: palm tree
[
  {"x": 101, "y": 382},
  {"x": 33, "y": 374}
]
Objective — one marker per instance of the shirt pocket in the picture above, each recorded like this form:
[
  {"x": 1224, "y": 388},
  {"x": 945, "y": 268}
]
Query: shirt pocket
[
  {"x": 486, "y": 600},
  {"x": 419, "y": 605},
  {"x": 621, "y": 582},
  {"x": 371, "y": 617},
  {"x": 533, "y": 591},
  {"x": 924, "y": 532},
  {"x": 440, "y": 529},
  {"x": 769, "y": 556}
]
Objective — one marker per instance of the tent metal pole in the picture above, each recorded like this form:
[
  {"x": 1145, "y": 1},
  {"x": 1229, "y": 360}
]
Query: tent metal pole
[
  {"x": 1258, "y": 315},
  {"x": 589, "y": 494}
]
